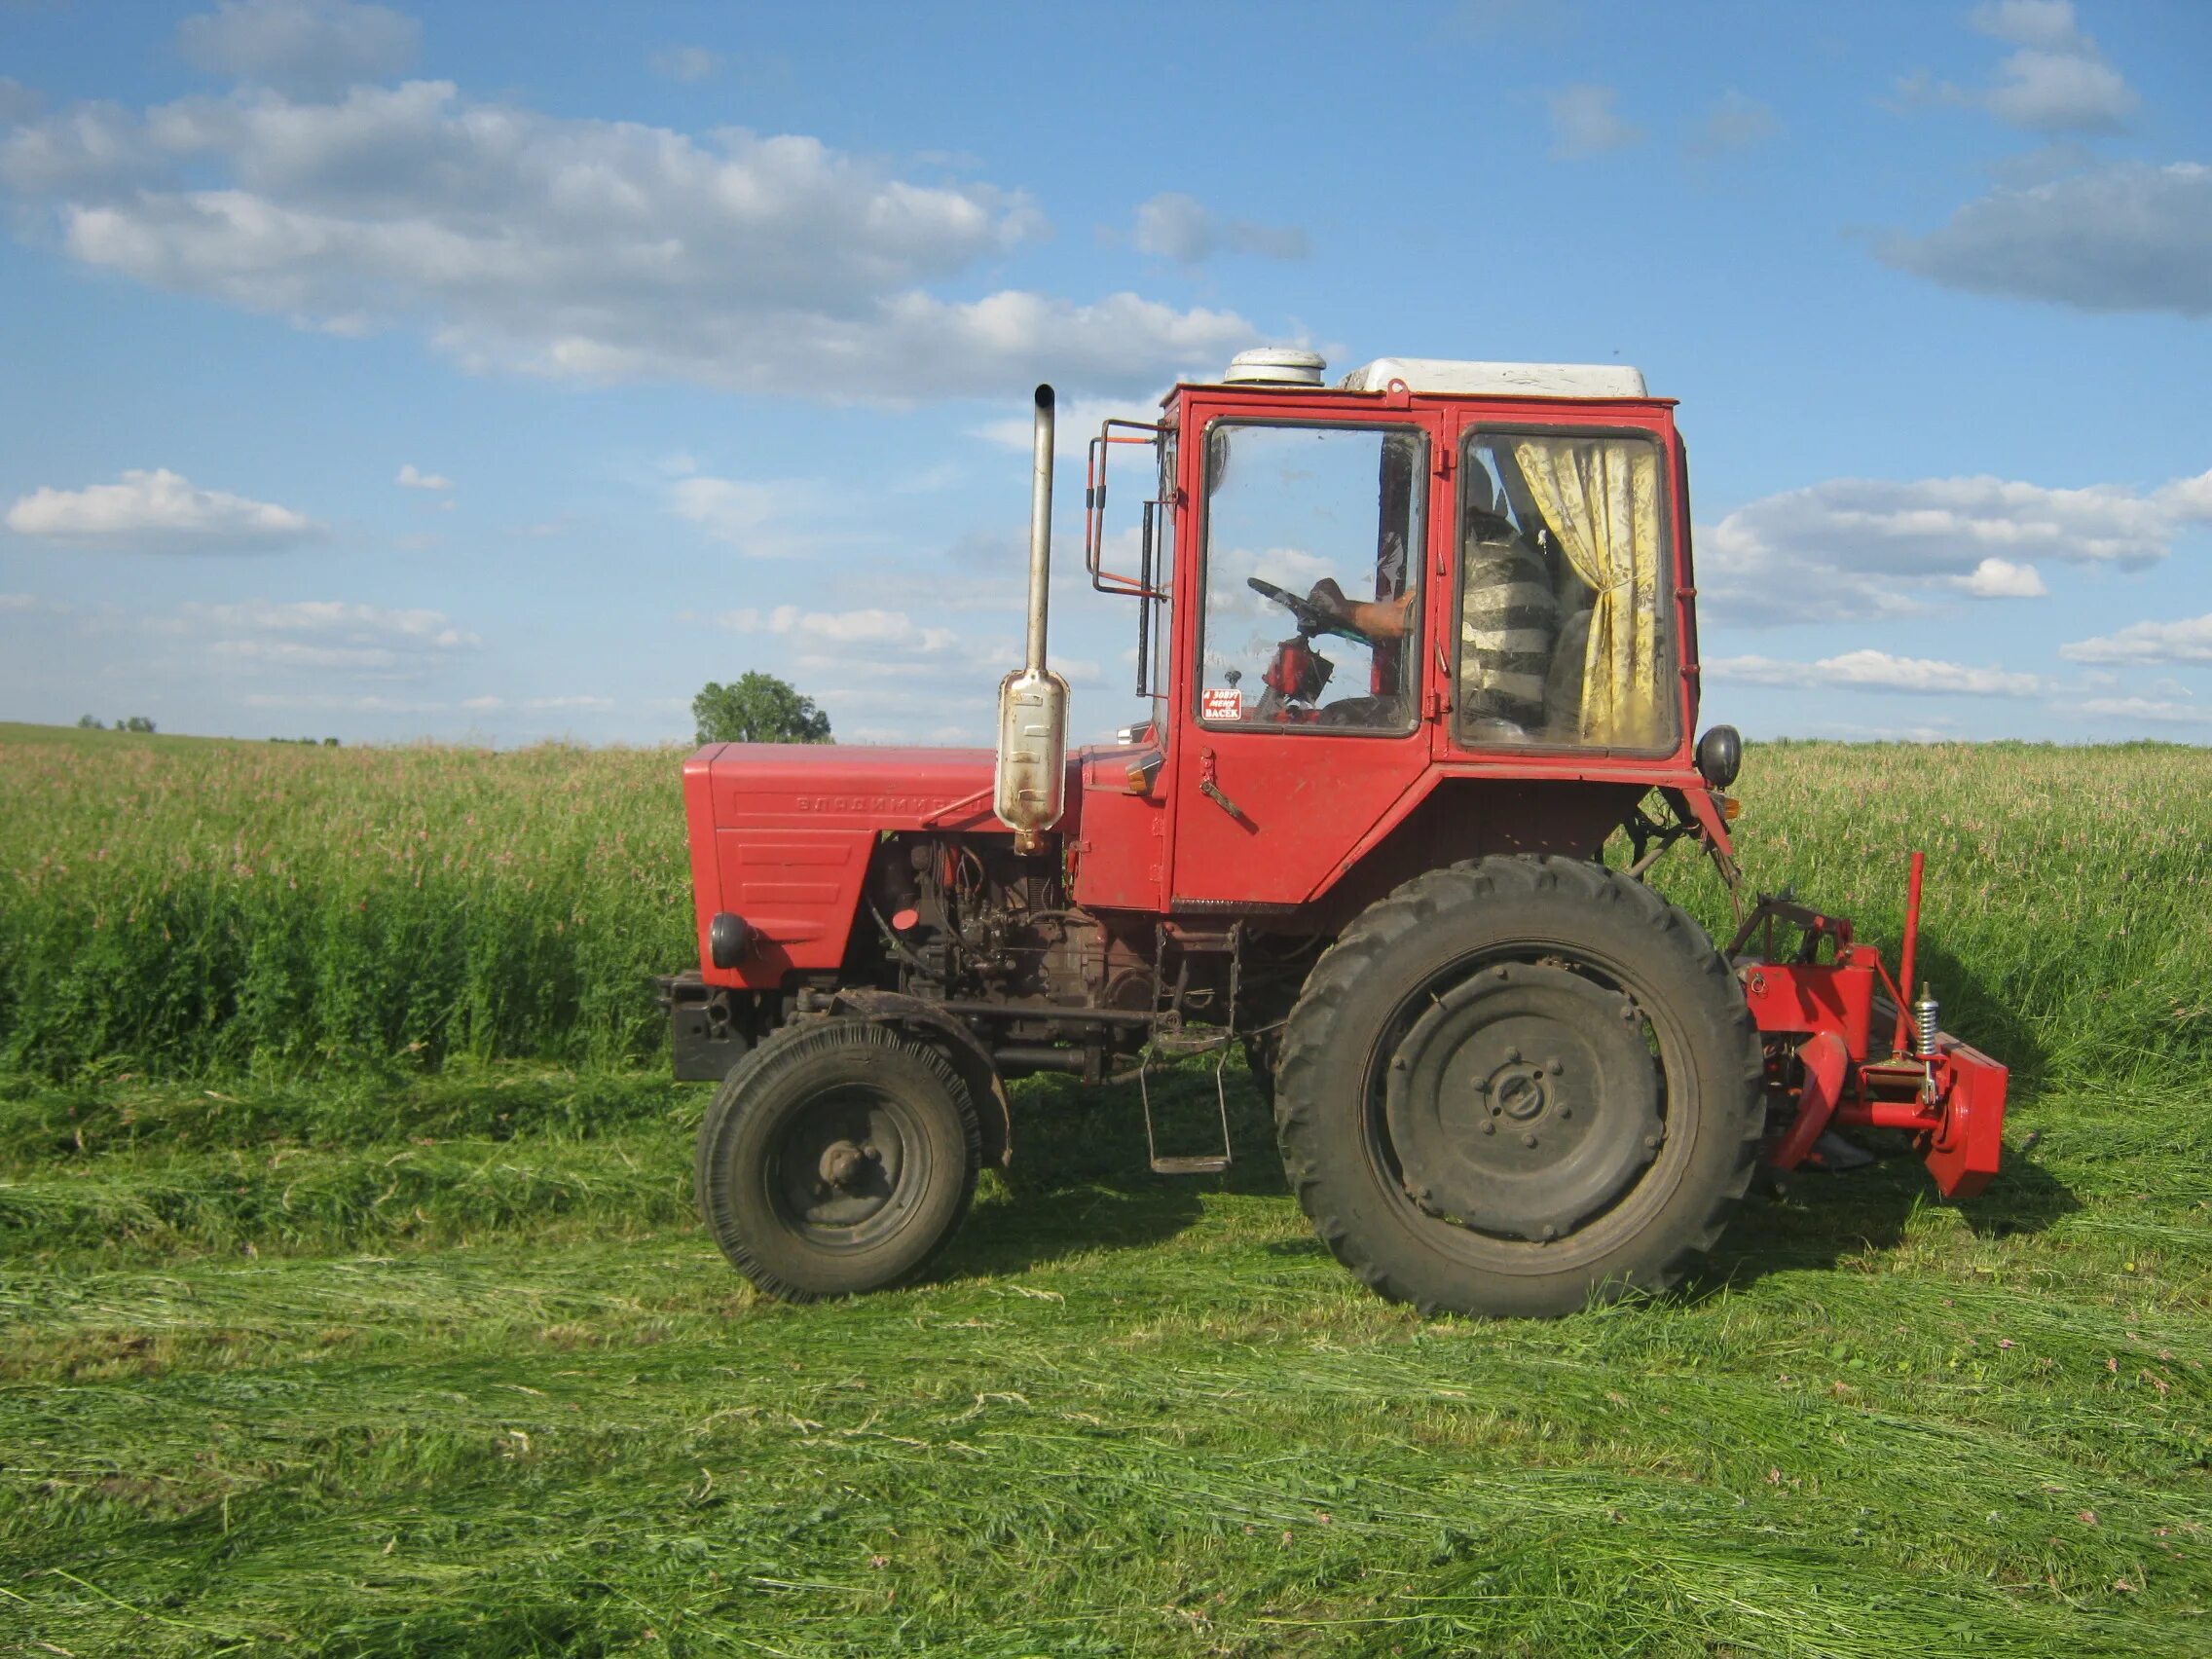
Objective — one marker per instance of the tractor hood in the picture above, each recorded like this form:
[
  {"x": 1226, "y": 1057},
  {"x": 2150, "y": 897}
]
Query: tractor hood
[
  {"x": 806, "y": 785},
  {"x": 782, "y": 835}
]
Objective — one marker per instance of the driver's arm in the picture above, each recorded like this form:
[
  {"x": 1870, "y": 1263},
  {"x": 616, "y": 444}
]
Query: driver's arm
[{"x": 1377, "y": 619}]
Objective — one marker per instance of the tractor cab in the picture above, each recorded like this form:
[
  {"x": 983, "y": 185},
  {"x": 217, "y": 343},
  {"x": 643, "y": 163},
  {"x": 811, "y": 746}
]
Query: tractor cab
[{"x": 1352, "y": 596}]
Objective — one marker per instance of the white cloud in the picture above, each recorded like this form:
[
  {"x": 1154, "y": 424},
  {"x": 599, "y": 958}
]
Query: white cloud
[
  {"x": 2000, "y": 578},
  {"x": 687, "y": 64},
  {"x": 2127, "y": 237},
  {"x": 367, "y": 625},
  {"x": 1077, "y": 421},
  {"x": 1181, "y": 227},
  {"x": 159, "y": 512},
  {"x": 2057, "y": 80},
  {"x": 300, "y": 45},
  {"x": 343, "y": 702},
  {"x": 582, "y": 249},
  {"x": 1878, "y": 671},
  {"x": 17, "y": 102},
  {"x": 410, "y": 479},
  {"x": 2164, "y": 711},
  {"x": 1735, "y": 122},
  {"x": 1856, "y": 548},
  {"x": 1584, "y": 122},
  {"x": 822, "y": 630},
  {"x": 774, "y": 518},
  {"x": 2188, "y": 640},
  {"x": 30, "y": 605}
]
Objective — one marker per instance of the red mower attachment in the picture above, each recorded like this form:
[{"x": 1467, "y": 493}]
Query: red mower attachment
[{"x": 1818, "y": 1018}]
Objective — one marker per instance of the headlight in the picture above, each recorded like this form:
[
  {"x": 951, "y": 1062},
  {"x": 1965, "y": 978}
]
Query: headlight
[{"x": 1720, "y": 755}]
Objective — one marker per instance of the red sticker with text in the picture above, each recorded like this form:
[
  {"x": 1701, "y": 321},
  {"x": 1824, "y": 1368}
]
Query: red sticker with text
[{"x": 1224, "y": 703}]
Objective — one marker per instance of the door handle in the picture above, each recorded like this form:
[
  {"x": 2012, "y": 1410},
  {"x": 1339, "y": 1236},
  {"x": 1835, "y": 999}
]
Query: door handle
[{"x": 1210, "y": 787}]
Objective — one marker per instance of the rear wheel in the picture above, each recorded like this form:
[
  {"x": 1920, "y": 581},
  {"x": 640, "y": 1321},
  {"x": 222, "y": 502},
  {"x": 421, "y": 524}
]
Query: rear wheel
[
  {"x": 837, "y": 1157},
  {"x": 1517, "y": 1086}
]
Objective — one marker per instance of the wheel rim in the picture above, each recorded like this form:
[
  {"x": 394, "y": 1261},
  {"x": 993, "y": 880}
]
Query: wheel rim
[
  {"x": 1599, "y": 1187},
  {"x": 845, "y": 1171},
  {"x": 1523, "y": 1102}
]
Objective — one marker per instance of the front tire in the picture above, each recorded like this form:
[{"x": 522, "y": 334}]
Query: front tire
[
  {"x": 838, "y": 1157},
  {"x": 1519, "y": 1085}
]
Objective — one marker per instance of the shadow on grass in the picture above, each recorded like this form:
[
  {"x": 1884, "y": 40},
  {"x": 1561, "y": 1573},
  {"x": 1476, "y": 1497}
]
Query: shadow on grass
[
  {"x": 1080, "y": 1177},
  {"x": 1081, "y": 1181},
  {"x": 1816, "y": 1221}
]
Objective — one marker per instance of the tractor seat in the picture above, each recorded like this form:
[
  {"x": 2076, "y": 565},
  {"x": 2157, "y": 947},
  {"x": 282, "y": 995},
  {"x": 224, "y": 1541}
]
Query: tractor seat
[{"x": 1562, "y": 684}]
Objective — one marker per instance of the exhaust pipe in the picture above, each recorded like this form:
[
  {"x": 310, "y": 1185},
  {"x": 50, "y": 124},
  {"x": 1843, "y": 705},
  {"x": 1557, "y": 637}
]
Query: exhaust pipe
[{"x": 1029, "y": 785}]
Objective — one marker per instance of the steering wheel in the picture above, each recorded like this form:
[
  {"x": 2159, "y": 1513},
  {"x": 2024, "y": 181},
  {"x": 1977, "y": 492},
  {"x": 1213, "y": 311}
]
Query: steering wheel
[{"x": 1311, "y": 621}]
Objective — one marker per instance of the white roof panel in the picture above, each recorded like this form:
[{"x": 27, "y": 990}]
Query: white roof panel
[{"x": 1444, "y": 376}]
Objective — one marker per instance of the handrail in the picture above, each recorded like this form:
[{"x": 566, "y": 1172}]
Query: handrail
[{"x": 1094, "y": 510}]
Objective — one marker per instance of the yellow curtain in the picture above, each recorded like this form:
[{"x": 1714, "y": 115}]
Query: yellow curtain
[{"x": 1602, "y": 499}]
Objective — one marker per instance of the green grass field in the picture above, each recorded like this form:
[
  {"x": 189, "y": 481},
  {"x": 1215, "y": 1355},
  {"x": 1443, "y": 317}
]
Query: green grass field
[{"x": 351, "y": 1301}]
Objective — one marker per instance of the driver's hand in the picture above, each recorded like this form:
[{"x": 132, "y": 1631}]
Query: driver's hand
[{"x": 1329, "y": 600}]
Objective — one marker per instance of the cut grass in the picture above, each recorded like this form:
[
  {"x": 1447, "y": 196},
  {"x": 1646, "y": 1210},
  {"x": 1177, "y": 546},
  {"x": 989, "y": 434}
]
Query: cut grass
[{"x": 1125, "y": 1416}]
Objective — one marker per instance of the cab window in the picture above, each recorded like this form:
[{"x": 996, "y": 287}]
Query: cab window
[
  {"x": 1310, "y": 612},
  {"x": 1561, "y": 547}
]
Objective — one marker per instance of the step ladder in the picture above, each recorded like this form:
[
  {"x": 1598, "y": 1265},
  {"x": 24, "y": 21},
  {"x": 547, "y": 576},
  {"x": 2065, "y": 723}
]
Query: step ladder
[{"x": 1188, "y": 1164}]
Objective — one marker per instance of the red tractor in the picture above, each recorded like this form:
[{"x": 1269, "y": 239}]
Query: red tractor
[{"x": 1416, "y": 646}]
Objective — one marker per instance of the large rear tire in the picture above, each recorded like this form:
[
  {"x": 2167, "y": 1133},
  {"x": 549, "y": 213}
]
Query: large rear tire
[
  {"x": 1518, "y": 1087},
  {"x": 838, "y": 1157}
]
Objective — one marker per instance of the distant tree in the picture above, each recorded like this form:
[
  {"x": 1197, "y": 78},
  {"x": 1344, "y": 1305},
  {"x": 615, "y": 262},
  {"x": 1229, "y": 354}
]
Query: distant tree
[
  {"x": 137, "y": 722},
  {"x": 758, "y": 708},
  {"x": 89, "y": 722}
]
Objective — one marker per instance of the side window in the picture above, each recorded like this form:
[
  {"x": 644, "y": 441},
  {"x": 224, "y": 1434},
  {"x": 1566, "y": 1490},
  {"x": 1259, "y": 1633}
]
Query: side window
[
  {"x": 1562, "y": 546},
  {"x": 1312, "y": 603}
]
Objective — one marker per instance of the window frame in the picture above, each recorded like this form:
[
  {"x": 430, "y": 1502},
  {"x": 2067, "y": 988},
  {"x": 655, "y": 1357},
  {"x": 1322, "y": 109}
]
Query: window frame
[
  {"x": 1670, "y": 625},
  {"x": 1417, "y": 573}
]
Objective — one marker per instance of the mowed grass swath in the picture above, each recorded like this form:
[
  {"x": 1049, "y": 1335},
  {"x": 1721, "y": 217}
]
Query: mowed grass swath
[
  {"x": 388, "y": 1328},
  {"x": 194, "y": 907}
]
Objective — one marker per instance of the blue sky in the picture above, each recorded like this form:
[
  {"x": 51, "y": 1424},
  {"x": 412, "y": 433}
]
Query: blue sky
[{"x": 507, "y": 373}]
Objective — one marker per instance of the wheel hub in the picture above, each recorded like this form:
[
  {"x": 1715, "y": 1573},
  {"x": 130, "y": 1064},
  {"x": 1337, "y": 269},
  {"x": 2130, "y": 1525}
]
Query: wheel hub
[
  {"x": 1524, "y": 1103},
  {"x": 839, "y": 1167},
  {"x": 842, "y": 1163}
]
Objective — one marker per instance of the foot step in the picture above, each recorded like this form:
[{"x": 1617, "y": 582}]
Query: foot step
[{"x": 1204, "y": 1163}]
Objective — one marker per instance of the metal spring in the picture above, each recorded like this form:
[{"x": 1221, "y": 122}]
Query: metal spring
[{"x": 1925, "y": 1013}]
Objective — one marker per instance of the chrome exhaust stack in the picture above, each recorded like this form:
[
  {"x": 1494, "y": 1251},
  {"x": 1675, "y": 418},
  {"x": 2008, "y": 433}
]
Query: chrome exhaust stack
[{"x": 1029, "y": 785}]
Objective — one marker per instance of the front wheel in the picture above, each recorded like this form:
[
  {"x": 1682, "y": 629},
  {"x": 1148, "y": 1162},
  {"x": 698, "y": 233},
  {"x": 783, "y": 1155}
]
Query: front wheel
[
  {"x": 1517, "y": 1086},
  {"x": 837, "y": 1157}
]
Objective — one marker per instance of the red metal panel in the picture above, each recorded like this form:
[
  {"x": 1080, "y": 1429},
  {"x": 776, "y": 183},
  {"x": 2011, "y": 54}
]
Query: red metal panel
[
  {"x": 1308, "y": 803},
  {"x": 1792, "y": 998},
  {"x": 1120, "y": 853},
  {"x": 790, "y": 828}
]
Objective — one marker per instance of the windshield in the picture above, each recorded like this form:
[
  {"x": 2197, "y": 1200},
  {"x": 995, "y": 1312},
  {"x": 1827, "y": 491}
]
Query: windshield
[{"x": 1311, "y": 602}]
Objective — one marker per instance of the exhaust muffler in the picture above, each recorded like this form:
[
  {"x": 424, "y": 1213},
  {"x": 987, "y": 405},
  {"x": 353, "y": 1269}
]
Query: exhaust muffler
[{"x": 1029, "y": 785}]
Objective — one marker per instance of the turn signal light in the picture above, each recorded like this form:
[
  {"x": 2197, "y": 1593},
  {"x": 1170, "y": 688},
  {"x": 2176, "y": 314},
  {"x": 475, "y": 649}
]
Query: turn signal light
[{"x": 1730, "y": 807}]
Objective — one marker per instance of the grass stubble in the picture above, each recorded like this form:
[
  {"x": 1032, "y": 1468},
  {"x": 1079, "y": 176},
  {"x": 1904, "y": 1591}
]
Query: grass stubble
[{"x": 389, "y": 1329}]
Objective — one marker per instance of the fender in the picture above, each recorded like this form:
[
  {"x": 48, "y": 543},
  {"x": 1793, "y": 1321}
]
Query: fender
[{"x": 967, "y": 1054}]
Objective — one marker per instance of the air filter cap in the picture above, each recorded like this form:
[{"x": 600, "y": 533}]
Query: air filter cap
[{"x": 1275, "y": 365}]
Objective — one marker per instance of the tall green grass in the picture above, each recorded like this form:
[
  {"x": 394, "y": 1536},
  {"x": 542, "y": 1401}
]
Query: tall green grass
[
  {"x": 214, "y": 907},
  {"x": 207, "y": 909}
]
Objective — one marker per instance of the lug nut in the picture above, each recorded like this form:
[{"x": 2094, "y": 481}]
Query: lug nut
[
  {"x": 1513, "y": 1057},
  {"x": 1566, "y": 1111},
  {"x": 1528, "y": 1140},
  {"x": 1650, "y": 1143},
  {"x": 1553, "y": 1066},
  {"x": 1489, "y": 1127}
]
